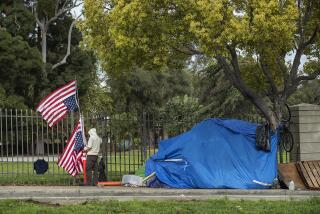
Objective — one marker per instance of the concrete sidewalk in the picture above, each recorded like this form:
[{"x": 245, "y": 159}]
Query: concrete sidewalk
[{"x": 75, "y": 194}]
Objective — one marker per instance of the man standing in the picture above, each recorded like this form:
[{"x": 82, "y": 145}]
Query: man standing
[{"x": 92, "y": 150}]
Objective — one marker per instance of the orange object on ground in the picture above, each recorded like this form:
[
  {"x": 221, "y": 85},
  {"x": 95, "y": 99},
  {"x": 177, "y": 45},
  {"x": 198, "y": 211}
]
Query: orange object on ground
[
  {"x": 84, "y": 164},
  {"x": 110, "y": 183}
]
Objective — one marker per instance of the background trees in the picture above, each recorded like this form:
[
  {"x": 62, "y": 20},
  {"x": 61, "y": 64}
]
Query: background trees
[
  {"x": 19, "y": 71},
  {"x": 142, "y": 90},
  {"x": 21, "y": 53},
  {"x": 250, "y": 40},
  {"x": 223, "y": 53}
]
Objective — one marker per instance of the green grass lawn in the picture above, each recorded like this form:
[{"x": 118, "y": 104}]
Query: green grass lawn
[
  {"x": 21, "y": 173},
  {"x": 13, "y": 174},
  {"x": 209, "y": 206},
  {"x": 118, "y": 164}
]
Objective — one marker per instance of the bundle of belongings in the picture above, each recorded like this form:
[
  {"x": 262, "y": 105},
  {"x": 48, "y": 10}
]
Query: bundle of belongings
[{"x": 216, "y": 153}]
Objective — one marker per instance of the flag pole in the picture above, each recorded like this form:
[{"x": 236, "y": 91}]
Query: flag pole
[
  {"x": 81, "y": 118},
  {"x": 78, "y": 101}
]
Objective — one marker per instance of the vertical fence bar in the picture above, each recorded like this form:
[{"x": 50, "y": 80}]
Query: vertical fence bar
[
  {"x": 58, "y": 149},
  {"x": 105, "y": 144},
  {"x": 155, "y": 132},
  {"x": 11, "y": 137},
  {"x": 37, "y": 136},
  {"x": 140, "y": 128},
  {"x": 52, "y": 155},
  {"x": 115, "y": 155},
  {"x": 148, "y": 136},
  {"x": 1, "y": 143},
  {"x": 17, "y": 145},
  {"x": 106, "y": 147},
  {"x": 47, "y": 141},
  {"x": 130, "y": 146},
  {"x": 147, "y": 143},
  {"x": 42, "y": 143},
  {"x": 22, "y": 143},
  {"x": 132, "y": 150},
  {"x": 7, "y": 142},
  {"x": 28, "y": 153},
  {"x": 63, "y": 142},
  {"x": 110, "y": 160},
  {"x": 144, "y": 141},
  {"x": 32, "y": 137},
  {"x": 119, "y": 148}
]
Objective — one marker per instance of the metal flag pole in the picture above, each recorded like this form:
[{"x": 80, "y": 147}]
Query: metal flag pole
[
  {"x": 77, "y": 97},
  {"x": 81, "y": 118}
]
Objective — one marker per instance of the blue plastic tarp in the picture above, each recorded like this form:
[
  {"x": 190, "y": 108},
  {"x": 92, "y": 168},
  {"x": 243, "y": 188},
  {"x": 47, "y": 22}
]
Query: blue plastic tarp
[{"x": 216, "y": 153}]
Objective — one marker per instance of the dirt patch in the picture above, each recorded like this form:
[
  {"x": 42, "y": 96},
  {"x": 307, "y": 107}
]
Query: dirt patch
[{"x": 42, "y": 203}]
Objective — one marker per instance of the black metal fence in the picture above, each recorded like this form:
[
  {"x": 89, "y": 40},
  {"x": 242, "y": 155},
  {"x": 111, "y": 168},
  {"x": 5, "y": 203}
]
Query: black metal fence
[{"x": 128, "y": 141}]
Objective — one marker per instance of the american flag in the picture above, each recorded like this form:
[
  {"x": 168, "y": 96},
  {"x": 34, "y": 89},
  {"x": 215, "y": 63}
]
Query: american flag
[
  {"x": 56, "y": 105},
  {"x": 70, "y": 159}
]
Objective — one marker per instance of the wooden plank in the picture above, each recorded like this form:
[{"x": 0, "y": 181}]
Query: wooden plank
[
  {"x": 304, "y": 175},
  {"x": 310, "y": 174},
  {"x": 317, "y": 165},
  {"x": 316, "y": 171}
]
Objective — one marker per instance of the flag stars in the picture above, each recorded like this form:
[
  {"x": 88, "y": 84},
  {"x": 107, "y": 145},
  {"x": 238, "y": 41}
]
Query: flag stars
[
  {"x": 79, "y": 145},
  {"x": 71, "y": 103}
]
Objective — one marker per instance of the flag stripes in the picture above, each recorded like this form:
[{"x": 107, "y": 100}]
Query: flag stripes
[
  {"x": 70, "y": 159},
  {"x": 54, "y": 108}
]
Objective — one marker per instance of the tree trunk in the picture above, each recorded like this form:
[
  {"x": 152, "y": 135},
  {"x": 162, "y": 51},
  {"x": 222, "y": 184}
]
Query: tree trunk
[
  {"x": 232, "y": 71},
  {"x": 44, "y": 46},
  {"x": 44, "y": 56}
]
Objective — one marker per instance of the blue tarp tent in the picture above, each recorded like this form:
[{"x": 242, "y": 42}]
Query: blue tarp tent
[{"x": 216, "y": 153}]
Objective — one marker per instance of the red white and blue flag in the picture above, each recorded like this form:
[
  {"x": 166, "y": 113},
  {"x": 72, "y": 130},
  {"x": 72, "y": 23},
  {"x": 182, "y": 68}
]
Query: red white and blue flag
[
  {"x": 56, "y": 105},
  {"x": 71, "y": 158}
]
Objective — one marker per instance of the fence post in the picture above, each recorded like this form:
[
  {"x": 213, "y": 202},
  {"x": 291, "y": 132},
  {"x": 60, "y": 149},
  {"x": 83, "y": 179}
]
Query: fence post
[{"x": 144, "y": 137}]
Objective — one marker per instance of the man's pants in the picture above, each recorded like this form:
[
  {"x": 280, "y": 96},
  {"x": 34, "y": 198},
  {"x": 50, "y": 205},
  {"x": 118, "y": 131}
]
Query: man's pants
[{"x": 92, "y": 165}]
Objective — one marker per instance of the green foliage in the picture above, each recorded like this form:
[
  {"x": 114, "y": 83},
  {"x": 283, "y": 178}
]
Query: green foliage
[
  {"x": 81, "y": 64},
  {"x": 17, "y": 19},
  {"x": 250, "y": 38},
  {"x": 98, "y": 100},
  {"x": 11, "y": 101},
  {"x": 217, "y": 96},
  {"x": 129, "y": 36},
  {"x": 143, "y": 90},
  {"x": 20, "y": 70},
  {"x": 180, "y": 114},
  {"x": 151, "y": 31},
  {"x": 21, "y": 65},
  {"x": 46, "y": 8},
  {"x": 309, "y": 92}
]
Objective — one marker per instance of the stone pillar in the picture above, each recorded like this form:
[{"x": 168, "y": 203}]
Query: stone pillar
[{"x": 305, "y": 128}]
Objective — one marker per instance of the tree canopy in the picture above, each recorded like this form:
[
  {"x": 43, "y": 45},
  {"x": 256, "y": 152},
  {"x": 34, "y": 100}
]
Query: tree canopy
[
  {"x": 20, "y": 71},
  {"x": 21, "y": 78},
  {"x": 250, "y": 40},
  {"x": 143, "y": 90}
]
